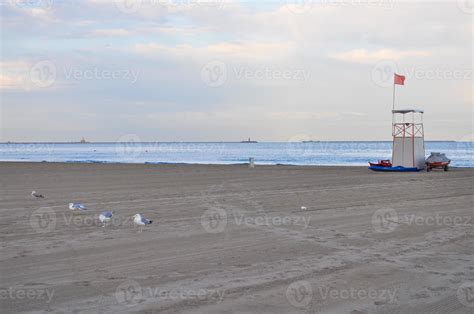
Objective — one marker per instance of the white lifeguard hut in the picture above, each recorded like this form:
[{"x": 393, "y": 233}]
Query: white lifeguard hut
[{"x": 408, "y": 138}]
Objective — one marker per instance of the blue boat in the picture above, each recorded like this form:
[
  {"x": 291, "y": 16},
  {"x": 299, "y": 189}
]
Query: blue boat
[{"x": 394, "y": 169}]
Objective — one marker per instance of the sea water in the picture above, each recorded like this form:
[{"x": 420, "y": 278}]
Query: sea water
[{"x": 294, "y": 153}]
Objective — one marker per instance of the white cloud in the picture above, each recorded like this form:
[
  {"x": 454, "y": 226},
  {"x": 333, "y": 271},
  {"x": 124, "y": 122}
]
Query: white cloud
[
  {"x": 110, "y": 32},
  {"x": 227, "y": 50},
  {"x": 365, "y": 56},
  {"x": 169, "y": 45}
]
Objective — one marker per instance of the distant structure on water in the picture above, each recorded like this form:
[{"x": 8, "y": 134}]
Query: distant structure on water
[
  {"x": 249, "y": 141},
  {"x": 83, "y": 141}
]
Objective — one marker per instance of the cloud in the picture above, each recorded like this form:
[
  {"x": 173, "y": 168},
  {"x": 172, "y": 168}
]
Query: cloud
[
  {"x": 251, "y": 50},
  {"x": 227, "y": 50},
  {"x": 10, "y": 82},
  {"x": 365, "y": 56},
  {"x": 169, "y": 43},
  {"x": 110, "y": 32},
  {"x": 14, "y": 75},
  {"x": 312, "y": 115}
]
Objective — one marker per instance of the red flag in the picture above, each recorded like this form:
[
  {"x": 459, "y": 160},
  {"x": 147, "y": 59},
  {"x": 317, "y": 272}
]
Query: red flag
[{"x": 399, "y": 79}]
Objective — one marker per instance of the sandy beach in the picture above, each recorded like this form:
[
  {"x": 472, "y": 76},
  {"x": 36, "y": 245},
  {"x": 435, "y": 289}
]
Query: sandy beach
[{"x": 274, "y": 239}]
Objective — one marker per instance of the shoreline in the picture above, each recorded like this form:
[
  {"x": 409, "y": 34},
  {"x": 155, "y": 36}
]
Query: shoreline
[
  {"x": 174, "y": 163},
  {"x": 196, "y": 164}
]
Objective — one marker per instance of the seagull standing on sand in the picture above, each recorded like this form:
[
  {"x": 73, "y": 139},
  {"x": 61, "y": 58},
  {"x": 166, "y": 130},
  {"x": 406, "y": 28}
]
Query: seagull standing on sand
[
  {"x": 37, "y": 195},
  {"x": 141, "y": 221},
  {"x": 105, "y": 217},
  {"x": 74, "y": 206}
]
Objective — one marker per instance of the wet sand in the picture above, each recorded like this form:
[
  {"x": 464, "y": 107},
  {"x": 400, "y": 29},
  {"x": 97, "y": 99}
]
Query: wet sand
[{"x": 274, "y": 239}]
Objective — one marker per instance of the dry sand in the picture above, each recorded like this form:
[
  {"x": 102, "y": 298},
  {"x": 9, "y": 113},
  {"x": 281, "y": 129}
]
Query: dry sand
[{"x": 236, "y": 240}]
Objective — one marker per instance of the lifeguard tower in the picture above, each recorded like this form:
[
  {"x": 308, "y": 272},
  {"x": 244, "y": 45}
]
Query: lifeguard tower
[{"x": 408, "y": 139}]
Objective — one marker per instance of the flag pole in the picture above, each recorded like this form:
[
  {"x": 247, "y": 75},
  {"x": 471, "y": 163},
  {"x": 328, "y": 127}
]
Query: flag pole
[{"x": 393, "y": 103}]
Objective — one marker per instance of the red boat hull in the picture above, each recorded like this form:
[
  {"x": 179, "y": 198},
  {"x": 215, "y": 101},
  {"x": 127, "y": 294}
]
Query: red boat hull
[
  {"x": 442, "y": 165},
  {"x": 381, "y": 163},
  {"x": 437, "y": 164}
]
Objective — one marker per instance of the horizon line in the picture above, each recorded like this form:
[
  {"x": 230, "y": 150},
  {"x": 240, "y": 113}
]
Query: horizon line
[{"x": 210, "y": 142}]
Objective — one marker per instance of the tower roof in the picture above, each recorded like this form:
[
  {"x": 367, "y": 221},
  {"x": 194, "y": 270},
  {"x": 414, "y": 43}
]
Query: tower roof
[{"x": 403, "y": 111}]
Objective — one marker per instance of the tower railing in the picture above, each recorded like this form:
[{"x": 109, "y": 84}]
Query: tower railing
[{"x": 407, "y": 130}]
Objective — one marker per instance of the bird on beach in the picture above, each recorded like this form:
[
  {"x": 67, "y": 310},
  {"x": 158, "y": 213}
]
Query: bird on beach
[
  {"x": 37, "y": 195},
  {"x": 74, "y": 206},
  {"x": 141, "y": 221},
  {"x": 105, "y": 217}
]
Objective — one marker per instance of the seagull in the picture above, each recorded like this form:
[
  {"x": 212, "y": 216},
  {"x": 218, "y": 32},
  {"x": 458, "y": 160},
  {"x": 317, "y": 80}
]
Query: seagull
[
  {"x": 105, "y": 217},
  {"x": 141, "y": 221},
  {"x": 37, "y": 195},
  {"x": 73, "y": 206}
]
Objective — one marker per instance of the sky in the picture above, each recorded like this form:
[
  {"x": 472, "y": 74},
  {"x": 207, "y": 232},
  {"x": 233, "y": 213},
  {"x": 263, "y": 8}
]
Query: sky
[{"x": 222, "y": 70}]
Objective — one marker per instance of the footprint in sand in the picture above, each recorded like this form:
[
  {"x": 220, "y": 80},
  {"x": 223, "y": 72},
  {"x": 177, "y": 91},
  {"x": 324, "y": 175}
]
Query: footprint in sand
[
  {"x": 436, "y": 289},
  {"x": 421, "y": 295}
]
